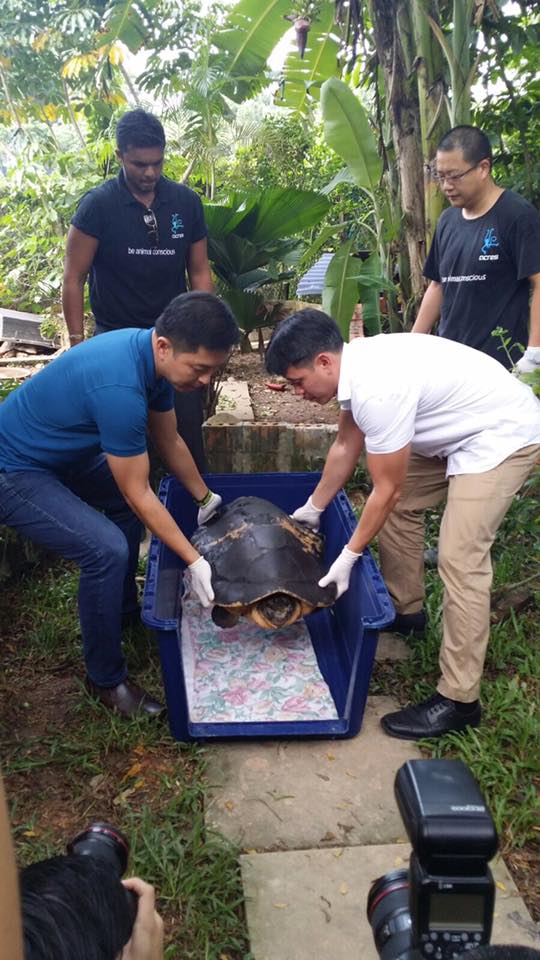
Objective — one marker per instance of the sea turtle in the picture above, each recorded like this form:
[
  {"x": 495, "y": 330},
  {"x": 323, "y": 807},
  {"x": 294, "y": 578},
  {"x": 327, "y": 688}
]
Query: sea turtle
[{"x": 265, "y": 565}]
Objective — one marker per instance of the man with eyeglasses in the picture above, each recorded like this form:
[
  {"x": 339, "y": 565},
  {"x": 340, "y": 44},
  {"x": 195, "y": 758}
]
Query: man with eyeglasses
[
  {"x": 136, "y": 237},
  {"x": 484, "y": 262}
]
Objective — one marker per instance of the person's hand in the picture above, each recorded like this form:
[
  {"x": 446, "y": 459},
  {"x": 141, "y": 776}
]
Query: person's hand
[
  {"x": 208, "y": 509},
  {"x": 201, "y": 581},
  {"x": 146, "y": 941},
  {"x": 529, "y": 362},
  {"x": 309, "y": 515},
  {"x": 340, "y": 571}
]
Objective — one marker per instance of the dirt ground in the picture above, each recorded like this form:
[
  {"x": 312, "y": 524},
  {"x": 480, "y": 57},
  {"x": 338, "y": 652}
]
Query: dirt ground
[{"x": 276, "y": 405}]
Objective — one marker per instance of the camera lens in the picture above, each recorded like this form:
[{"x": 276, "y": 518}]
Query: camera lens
[
  {"x": 105, "y": 842},
  {"x": 389, "y": 916}
]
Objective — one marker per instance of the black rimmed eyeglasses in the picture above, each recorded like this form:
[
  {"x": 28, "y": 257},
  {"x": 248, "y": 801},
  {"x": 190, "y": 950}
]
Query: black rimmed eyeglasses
[
  {"x": 151, "y": 224},
  {"x": 452, "y": 177}
]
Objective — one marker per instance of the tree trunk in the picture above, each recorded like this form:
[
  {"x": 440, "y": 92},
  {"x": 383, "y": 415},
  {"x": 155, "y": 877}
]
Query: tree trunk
[
  {"x": 433, "y": 104},
  {"x": 402, "y": 103}
]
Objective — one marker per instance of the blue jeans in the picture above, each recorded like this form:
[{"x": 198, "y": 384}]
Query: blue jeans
[{"x": 82, "y": 516}]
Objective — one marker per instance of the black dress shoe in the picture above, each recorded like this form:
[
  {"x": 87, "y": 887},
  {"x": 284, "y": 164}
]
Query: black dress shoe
[
  {"x": 127, "y": 698},
  {"x": 407, "y": 624},
  {"x": 431, "y": 718}
]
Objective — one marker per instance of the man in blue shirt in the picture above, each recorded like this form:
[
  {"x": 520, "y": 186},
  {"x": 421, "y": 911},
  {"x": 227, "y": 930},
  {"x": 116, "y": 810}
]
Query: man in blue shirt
[{"x": 74, "y": 467}]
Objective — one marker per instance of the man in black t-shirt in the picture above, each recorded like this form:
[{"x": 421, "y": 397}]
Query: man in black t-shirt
[
  {"x": 136, "y": 237},
  {"x": 484, "y": 262}
]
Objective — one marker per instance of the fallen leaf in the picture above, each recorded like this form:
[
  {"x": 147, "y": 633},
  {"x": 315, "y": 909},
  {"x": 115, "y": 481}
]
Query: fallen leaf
[
  {"x": 343, "y": 889},
  {"x": 229, "y": 805},
  {"x": 139, "y": 749},
  {"x": 500, "y": 885},
  {"x": 97, "y": 781},
  {"x": 323, "y": 776},
  {"x": 280, "y": 906},
  {"x": 30, "y": 833},
  {"x": 133, "y": 771},
  {"x": 328, "y": 836},
  {"x": 339, "y": 853},
  {"x": 330, "y": 756},
  {"x": 398, "y": 861},
  {"x": 351, "y": 774}
]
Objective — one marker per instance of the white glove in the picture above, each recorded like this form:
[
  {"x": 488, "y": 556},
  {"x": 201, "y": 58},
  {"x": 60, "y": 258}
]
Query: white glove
[
  {"x": 340, "y": 571},
  {"x": 529, "y": 362},
  {"x": 309, "y": 514},
  {"x": 201, "y": 581},
  {"x": 208, "y": 509}
]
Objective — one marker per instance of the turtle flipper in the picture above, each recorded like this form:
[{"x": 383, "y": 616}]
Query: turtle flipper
[{"x": 224, "y": 618}]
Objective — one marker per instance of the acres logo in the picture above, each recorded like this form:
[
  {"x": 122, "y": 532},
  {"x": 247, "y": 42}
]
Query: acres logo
[
  {"x": 177, "y": 227},
  {"x": 490, "y": 241}
]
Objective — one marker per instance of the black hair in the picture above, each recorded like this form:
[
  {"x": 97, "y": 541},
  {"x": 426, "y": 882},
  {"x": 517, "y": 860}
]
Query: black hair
[
  {"x": 137, "y": 128},
  {"x": 298, "y": 339},
  {"x": 73, "y": 906},
  {"x": 501, "y": 952},
  {"x": 198, "y": 319},
  {"x": 471, "y": 140}
]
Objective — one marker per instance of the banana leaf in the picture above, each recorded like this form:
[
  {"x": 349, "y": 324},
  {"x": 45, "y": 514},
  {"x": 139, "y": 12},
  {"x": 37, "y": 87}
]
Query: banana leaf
[
  {"x": 302, "y": 78},
  {"x": 250, "y": 33},
  {"x": 340, "y": 292},
  {"x": 348, "y": 132}
]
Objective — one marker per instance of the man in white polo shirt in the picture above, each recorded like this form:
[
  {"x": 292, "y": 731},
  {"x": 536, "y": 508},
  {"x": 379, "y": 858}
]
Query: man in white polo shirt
[{"x": 439, "y": 420}]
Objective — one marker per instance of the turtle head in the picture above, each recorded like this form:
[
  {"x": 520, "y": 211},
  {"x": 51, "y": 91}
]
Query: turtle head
[{"x": 276, "y": 610}]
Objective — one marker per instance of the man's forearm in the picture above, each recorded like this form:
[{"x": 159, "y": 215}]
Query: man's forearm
[
  {"x": 201, "y": 280},
  {"x": 534, "y": 324},
  {"x": 72, "y": 304},
  {"x": 339, "y": 467},
  {"x": 181, "y": 464},
  {"x": 377, "y": 508},
  {"x": 430, "y": 309},
  {"x": 157, "y": 518}
]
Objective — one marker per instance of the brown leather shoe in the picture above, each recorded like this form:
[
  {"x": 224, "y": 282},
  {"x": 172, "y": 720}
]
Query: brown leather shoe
[{"x": 127, "y": 698}]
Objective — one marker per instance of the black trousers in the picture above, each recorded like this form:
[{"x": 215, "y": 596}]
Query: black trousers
[{"x": 189, "y": 409}]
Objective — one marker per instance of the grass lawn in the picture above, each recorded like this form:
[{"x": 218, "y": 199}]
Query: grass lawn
[{"x": 67, "y": 761}]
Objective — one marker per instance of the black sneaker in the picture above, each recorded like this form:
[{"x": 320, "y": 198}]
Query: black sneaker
[
  {"x": 431, "y": 718},
  {"x": 408, "y": 623}
]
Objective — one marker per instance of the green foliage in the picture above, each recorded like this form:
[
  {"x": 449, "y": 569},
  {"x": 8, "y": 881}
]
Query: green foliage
[
  {"x": 302, "y": 78},
  {"x": 71, "y": 762},
  {"x": 38, "y": 204},
  {"x": 253, "y": 239}
]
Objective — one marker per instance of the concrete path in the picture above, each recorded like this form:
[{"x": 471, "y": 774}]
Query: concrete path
[{"x": 318, "y": 823}]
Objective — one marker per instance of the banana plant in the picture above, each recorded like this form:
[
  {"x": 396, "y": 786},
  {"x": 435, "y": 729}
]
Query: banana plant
[{"x": 347, "y": 130}]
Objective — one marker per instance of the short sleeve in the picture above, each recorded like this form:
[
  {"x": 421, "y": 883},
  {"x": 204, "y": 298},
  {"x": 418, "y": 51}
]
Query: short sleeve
[
  {"x": 199, "y": 229},
  {"x": 89, "y": 215},
  {"x": 525, "y": 243},
  {"x": 162, "y": 397},
  {"x": 120, "y": 414},
  {"x": 387, "y": 422}
]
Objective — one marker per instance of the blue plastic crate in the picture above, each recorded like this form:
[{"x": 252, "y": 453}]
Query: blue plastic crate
[{"x": 344, "y": 636}]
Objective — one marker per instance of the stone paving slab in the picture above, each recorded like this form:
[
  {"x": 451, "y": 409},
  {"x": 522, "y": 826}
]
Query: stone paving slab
[
  {"x": 234, "y": 404},
  {"x": 310, "y": 793},
  {"x": 391, "y": 647},
  {"x": 311, "y": 904}
]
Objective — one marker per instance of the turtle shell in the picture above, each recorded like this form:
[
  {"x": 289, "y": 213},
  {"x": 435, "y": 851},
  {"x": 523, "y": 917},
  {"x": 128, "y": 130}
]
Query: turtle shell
[{"x": 256, "y": 551}]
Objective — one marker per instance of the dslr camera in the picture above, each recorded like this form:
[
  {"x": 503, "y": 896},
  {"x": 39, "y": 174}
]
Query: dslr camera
[{"x": 442, "y": 907}]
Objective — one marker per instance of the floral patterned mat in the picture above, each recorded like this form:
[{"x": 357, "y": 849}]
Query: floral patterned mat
[{"x": 248, "y": 674}]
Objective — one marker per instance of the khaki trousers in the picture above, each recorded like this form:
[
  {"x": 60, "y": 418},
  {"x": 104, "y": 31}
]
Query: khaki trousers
[{"x": 475, "y": 507}]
